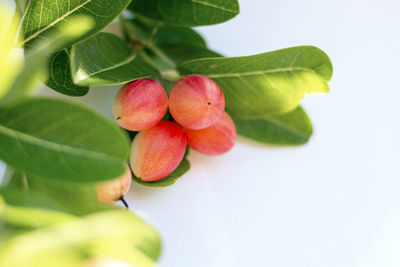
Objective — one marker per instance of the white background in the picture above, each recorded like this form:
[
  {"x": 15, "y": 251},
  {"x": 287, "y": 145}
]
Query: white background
[{"x": 333, "y": 202}]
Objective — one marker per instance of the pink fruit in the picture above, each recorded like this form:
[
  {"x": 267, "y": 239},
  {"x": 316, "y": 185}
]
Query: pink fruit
[
  {"x": 158, "y": 151},
  {"x": 214, "y": 140},
  {"x": 196, "y": 102},
  {"x": 112, "y": 190},
  {"x": 140, "y": 105}
]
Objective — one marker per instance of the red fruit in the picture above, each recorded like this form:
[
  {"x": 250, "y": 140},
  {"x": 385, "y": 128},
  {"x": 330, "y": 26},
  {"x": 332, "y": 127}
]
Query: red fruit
[
  {"x": 158, "y": 151},
  {"x": 112, "y": 190},
  {"x": 140, "y": 105},
  {"x": 214, "y": 140},
  {"x": 196, "y": 102}
]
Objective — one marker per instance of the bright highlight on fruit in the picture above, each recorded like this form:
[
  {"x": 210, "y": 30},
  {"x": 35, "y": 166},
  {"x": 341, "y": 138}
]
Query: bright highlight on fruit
[
  {"x": 140, "y": 105},
  {"x": 217, "y": 139},
  {"x": 157, "y": 152},
  {"x": 196, "y": 102},
  {"x": 112, "y": 190}
]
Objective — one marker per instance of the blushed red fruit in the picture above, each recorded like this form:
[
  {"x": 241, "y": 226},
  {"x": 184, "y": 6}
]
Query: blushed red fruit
[
  {"x": 140, "y": 105},
  {"x": 196, "y": 102},
  {"x": 157, "y": 152},
  {"x": 214, "y": 140},
  {"x": 112, "y": 190}
]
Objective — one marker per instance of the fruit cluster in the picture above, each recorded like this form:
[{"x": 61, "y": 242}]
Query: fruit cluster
[{"x": 196, "y": 104}]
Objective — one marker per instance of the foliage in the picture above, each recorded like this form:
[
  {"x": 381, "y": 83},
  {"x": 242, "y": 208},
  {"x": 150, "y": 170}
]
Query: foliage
[{"x": 56, "y": 150}]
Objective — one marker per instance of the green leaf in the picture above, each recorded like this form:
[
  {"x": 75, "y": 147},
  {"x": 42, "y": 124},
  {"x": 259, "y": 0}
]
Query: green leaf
[
  {"x": 293, "y": 128},
  {"x": 106, "y": 59},
  {"x": 273, "y": 82},
  {"x": 60, "y": 77},
  {"x": 183, "y": 167},
  {"x": 45, "y": 16},
  {"x": 62, "y": 140},
  {"x": 187, "y": 12}
]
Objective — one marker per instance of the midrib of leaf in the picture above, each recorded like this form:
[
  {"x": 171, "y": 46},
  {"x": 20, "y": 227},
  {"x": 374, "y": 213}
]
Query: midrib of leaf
[
  {"x": 212, "y": 5},
  {"x": 126, "y": 61},
  {"x": 55, "y": 21},
  {"x": 261, "y": 72},
  {"x": 55, "y": 146}
]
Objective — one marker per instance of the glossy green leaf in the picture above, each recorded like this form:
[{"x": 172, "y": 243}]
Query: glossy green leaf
[
  {"x": 106, "y": 59},
  {"x": 293, "y": 128},
  {"x": 187, "y": 12},
  {"x": 80, "y": 240},
  {"x": 183, "y": 167},
  {"x": 60, "y": 77},
  {"x": 273, "y": 82},
  {"x": 62, "y": 140},
  {"x": 44, "y": 16}
]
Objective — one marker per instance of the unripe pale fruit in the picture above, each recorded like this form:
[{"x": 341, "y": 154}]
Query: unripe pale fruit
[
  {"x": 140, "y": 105},
  {"x": 158, "y": 151},
  {"x": 112, "y": 190},
  {"x": 214, "y": 140},
  {"x": 196, "y": 102}
]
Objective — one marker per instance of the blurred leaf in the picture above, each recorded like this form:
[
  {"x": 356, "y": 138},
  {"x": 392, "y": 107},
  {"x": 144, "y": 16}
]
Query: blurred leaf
[
  {"x": 22, "y": 198},
  {"x": 75, "y": 198},
  {"x": 187, "y": 12},
  {"x": 14, "y": 179},
  {"x": 28, "y": 216},
  {"x": 62, "y": 140},
  {"x": 273, "y": 82},
  {"x": 106, "y": 59},
  {"x": 36, "y": 58},
  {"x": 87, "y": 238},
  {"x": 21, "y": 5},
  {"x": 60, "y": 77},
  {"x": 71, "y": 197},
  {"x": 183, "y": 167},
  {"x": 11, "y": 59},
  {"x": 293, "y": 128},
  {"x": 39, "y": 21}
]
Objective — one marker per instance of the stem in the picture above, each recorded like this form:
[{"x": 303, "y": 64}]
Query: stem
[
  {"x": 124, "y": 202},
  {"x": 161, "y": 55},
  {"x": 170, "y": 75}
]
